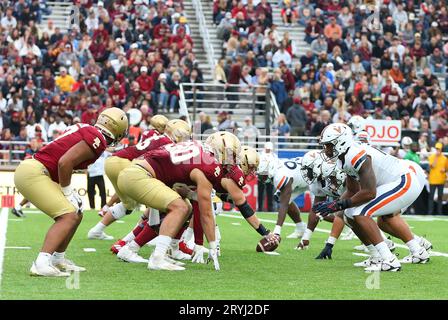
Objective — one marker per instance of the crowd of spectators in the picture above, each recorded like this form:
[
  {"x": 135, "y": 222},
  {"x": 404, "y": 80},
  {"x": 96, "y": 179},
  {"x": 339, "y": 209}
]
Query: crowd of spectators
[
  {"x": 384, "y": 69},
  {"x": 122, "y": 53}
]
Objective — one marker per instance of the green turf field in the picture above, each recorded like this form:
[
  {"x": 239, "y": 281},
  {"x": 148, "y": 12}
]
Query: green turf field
[{"x": 244, "y": 273}]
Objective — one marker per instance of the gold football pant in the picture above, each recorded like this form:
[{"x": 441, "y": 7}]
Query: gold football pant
[
  {"x": 34, "y": 183},
  {"x": 135, "y": 183},
  {"x": 112, "y": 167}
]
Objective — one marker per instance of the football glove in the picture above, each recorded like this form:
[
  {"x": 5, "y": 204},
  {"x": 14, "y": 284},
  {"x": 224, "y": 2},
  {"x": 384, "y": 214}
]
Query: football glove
[
  {"x": 324, "y": 208},
  {"x": 326, "y": 252},
  {"x": 73, "y": 197},
  {"x": 213, "y": 256},
  {"x": 198, "y": 254}
]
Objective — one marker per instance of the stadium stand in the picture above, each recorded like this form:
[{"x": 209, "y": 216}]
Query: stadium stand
[{"x": 315, "y": 62}]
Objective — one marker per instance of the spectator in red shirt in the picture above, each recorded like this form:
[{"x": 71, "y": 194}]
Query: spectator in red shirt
[
  {"x": 144, "y": 80},
  {"x": 288, "y": 77},
  {"x": 162, "y": 29},
  {"x": 239, "y": 8},
  {"x": 89, "y": 116},
  {"x": 118, "y": 94}
]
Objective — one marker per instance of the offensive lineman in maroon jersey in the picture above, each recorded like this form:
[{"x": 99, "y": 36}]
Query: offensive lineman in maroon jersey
[
  {"x": 157, "y": 127},
  {"x": 45, "y": 182},
  {"x": 175, "y": 131}
]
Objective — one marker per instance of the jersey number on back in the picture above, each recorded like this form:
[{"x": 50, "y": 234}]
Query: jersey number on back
[
  {"x": 183, "y": 152},
  {"x": 142, "y": 145}
]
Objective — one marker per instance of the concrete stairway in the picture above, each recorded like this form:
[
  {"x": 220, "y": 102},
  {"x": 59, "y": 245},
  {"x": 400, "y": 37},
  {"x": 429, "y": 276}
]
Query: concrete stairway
[
  {"x": 60, "y": 15},
  {"x": 296, "y": 32},
  {"x": 198, "y": 48}
]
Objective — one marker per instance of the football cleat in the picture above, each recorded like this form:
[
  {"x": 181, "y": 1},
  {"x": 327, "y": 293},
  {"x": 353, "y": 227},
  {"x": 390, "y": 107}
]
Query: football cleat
[
  {"x": 425, "y": 244},
  {"x": 391, "y": 265},
  {"x": 18, "y": 213},
  {"x": 298, "y": 232},
  {"x": 160, "y": 262},
  {"x": 47, "y": 271},
  {"x": 127, "y": 255},
  {"x": 361, "y": 247},
  {"x": 370, "y": 261},
  {"x": 303, "y": 245},
  {"x": 179, "y": 255},
  {"x": 117, "y": 246},
  {"x": 349, "y": 235},
  {"x": 99, "y": 236},
  {"x": 420, "y": 257},
  {"x": 66, "y": 265},
  {"x": 390, "y": 244},
  {"x": 175, "y": 262},
  {"x": 184, "y": 248}
]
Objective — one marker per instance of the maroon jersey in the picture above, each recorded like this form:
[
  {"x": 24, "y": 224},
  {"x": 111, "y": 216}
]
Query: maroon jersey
[
  {"x": 152, "y": 143},
  {"x": 149, "y": 133},
  {"x": 236, "y": 174},
  {"x": 50, "y": 154},
  {"x": 173, "y": 163}
]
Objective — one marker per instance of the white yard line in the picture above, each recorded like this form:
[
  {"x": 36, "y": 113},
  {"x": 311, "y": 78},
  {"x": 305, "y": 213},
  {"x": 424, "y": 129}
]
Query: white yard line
[
  {"x": 3, "y": 229},
  {"x": 19, "y": 248},
  {"x": 432, "y": 253}
]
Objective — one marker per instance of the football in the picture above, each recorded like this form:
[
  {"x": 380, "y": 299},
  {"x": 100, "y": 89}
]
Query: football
[{"x": 268, "y": 243}]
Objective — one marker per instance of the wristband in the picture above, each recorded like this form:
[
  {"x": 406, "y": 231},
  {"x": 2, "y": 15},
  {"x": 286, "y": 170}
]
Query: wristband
[
  {"x": 262, "y": 230},
  {"x": 68, "y": 190},
  {"x": 345, "y": 203}
]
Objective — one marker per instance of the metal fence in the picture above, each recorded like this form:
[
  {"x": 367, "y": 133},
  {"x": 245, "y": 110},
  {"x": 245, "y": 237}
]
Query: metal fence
[{"x": 258, "y": 102}]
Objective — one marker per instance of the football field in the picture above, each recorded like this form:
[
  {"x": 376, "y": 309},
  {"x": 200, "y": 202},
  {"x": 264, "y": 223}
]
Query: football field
[{"x": 245, "y": 274}]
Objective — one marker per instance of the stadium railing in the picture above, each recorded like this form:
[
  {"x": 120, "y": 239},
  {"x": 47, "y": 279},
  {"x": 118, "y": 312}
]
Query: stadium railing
[
  {"x": 203, "y": 30},
  {"x": 258, "y": 102}
]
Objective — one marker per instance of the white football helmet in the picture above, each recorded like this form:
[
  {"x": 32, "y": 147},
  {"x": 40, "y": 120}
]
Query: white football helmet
[
  {"x": 336, "y": 138},
  {"x": 363, "y": 137},
  {"x": 310, "y": 166},
  {"x": 357, "y": 124},
  {"x": 331, "y": 172}
]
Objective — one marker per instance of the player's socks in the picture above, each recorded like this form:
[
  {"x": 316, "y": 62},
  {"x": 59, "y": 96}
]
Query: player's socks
[
  {"x": 146, "y": 235},
  {"x": 129, "y": 237},
  {"x": 98, "y": 228},
  {"x": 18, "y": 207},
  {"x": 134, "y": 246},
  {"x": 278, "y": 229},
  {"x": 43, "y": 259},
  {"x": 187, "y": 235},
  {"x": 307, "y": 234},
  {"x": 373, "y": 251},
  {"x": 301, "y": 226},
  {"x": 57, "y": 257},
  {"x": 384, "y": 251},
  {"x": 138, "y": 228},
  {"x": 163, "y": 243},
  {"x": 414, "y": 245}
]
